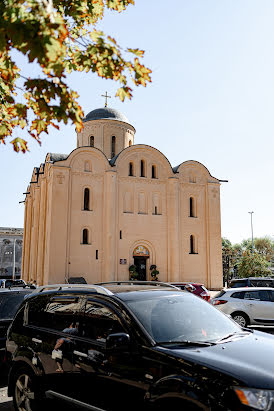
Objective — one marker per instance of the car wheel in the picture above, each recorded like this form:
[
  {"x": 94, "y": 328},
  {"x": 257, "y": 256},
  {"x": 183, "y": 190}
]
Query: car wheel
[
  {"x": 241, "y": 319},
  {"x": 24, "y": 391}
]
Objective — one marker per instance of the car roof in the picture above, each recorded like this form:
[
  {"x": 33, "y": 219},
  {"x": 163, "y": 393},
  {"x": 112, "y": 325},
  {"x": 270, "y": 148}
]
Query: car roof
[
  {"x": 252, "y": 278},
  {"x": 236, "y": 289},
  {"x": 108, "y": 288},
  {"x": 16, "y": 289}
]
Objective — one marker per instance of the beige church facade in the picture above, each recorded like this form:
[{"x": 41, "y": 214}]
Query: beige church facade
[{"x": 111, "y": 204}]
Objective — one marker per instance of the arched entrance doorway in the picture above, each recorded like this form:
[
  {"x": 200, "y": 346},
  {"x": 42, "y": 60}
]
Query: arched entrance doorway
[{"x": 140, "y": 256}]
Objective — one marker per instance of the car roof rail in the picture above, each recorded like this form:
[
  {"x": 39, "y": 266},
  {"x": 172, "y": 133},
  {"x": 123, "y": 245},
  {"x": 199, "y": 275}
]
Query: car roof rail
[
  {"x": 136, "y": 282},
  {"x": 59, "y": 287}
]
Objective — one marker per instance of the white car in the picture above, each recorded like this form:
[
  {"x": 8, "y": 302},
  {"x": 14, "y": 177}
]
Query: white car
[{"x": 247, "y": 305}]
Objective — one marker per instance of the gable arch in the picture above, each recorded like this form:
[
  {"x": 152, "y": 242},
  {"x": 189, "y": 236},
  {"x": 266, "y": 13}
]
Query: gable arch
[
  {"x": 138, "y": 152},
  {"x": 79, "y": 157},
  {"x": 192, "y": 168}
]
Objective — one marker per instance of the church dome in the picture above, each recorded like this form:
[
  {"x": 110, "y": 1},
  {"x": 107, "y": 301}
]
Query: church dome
[{"x": 106, "y": 113}]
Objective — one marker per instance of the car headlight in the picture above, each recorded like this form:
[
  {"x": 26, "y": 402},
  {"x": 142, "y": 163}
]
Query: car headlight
[{"x": 255, "y": 398}]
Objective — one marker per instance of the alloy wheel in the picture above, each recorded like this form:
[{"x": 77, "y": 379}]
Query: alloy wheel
[
  {"x": 24, "y": 394},
  {"x": 240, "y": 319}
]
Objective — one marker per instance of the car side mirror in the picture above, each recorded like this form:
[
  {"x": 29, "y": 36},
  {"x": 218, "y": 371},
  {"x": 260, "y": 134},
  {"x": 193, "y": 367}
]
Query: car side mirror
[{"x": 118, "y": 342}]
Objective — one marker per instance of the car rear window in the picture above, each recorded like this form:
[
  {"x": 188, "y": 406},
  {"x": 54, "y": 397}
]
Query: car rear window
[
  {"x": 220, "y": 294},
  {"x": 236, "y": 284}
]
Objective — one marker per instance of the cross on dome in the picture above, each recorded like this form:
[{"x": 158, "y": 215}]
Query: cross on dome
[{"x": 106, "y": 97}]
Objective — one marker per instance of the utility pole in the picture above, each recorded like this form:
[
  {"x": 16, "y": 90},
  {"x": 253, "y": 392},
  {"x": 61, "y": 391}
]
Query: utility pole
[
  {"x": 13, "y": 270},
  {"x": 251, "y": 212}
]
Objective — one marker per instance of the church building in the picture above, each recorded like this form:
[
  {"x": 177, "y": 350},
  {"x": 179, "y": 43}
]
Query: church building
[{"x": 111, "y": 206}]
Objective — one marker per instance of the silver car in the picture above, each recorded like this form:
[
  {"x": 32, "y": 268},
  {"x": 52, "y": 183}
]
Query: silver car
[{"x": 247, "y": 305}]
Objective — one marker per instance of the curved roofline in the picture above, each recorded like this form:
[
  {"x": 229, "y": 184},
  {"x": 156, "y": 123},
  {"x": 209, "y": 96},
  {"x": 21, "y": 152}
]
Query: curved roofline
[
  {"x": 77, "y": 148},
  {"x": 113, "y": 160},
  {"x": 54, "y": 159},
  {"x": 175, "y": 169},
  {"x": 110, "y": 119}
]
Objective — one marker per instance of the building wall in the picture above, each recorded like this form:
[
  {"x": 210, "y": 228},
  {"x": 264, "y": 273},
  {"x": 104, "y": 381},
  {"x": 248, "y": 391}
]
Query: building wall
[
  {"x": 124, "y": 212},
  {"x": 11, "y": 240}
]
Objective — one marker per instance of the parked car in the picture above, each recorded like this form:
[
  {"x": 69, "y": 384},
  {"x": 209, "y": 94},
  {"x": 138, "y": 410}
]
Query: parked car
[
  {"x": 247, "y": 306},
  {"x": 7, "y": 283},
  {"x": 251, "y": 282},
  {"x": 121, "y": 346},
  {"x": 10, "y": 299},
  {"x": 198, "y": 289}
]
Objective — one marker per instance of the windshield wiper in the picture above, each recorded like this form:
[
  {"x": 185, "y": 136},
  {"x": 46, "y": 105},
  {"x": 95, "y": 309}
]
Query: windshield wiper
[
  {"x": 187, "y": 342},
  {"x": 233, "y": 335}
]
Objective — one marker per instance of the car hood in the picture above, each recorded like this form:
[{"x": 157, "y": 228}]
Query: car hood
[{"x": 250, "y": 359}]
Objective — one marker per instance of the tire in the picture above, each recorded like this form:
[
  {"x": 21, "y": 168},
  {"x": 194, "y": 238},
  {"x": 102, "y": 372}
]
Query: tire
[
  {"x": 23, "y": 391},
  {"x": 241, "y": 319}
]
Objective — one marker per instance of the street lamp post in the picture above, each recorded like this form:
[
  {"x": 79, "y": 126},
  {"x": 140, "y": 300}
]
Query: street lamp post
[
  {"x": 13, "y": 268},
  {"x": 251, "y": 212}
]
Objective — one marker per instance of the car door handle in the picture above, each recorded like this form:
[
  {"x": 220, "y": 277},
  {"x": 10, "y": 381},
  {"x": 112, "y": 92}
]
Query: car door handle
[
  {"x": 37, "y": 341},
  {"x": 81, "y": 354}
]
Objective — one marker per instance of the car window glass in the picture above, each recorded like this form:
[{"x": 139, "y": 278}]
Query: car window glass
[
  {"x": 181, "y": 317},
  {"x": 9, "y": 303},
  {"x": 99, "y": 321},
  {"x": 238, "y": 284},
  {"x": 251, "y": 295},
  {"x": 238, "y": 294},
  {"x": 264, "y": 295},
  {"x": 55, "y": 312},
  {"x": 219, "y": 294},
  {"x": 272, "y": 295}
]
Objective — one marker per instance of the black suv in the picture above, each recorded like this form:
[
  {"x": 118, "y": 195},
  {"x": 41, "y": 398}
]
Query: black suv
[
  {"x": 10, "y": 299},
  {"x": 135, "y": 346}
]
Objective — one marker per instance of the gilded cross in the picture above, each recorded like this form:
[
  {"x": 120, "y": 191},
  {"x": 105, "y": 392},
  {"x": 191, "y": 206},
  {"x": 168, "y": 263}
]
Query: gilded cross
[{"x": 106, "y": 97}]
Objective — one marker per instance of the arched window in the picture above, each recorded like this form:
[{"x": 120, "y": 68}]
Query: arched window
[
  {"x": 153, "y": 172},
  {"x": 130, "y": 143},
  {"x": 86, "y": 199},
  {"x": 113, "y": 142},
  {"x": 130, "y": 171},
  {"x": 142, "y": 173},
  {"x": 91, "y": 141},
  {"x": 85, "y": 236},
  {"x": 191, "y": 207},
  {"x": 192, "y": 245}
]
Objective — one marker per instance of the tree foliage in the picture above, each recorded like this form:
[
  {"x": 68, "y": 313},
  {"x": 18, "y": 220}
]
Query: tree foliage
[
  {"x": 252, "y": 265},
  {"x": 238, "y": 259},
  {"x": 60, "y": 36}
]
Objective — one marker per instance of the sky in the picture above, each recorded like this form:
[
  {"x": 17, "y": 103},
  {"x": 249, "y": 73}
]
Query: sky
[{"x": 211, "y": 99}]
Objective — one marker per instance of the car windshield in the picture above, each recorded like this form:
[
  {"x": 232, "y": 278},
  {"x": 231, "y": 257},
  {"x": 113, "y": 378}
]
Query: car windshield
[
  {"x": 9, "y": 303},
  {"x": 183, "y": 317}
]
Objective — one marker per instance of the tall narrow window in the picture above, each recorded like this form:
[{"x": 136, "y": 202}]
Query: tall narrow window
[
  {"x": 130, "y": 171},
  {"x": 130, "y": 143},
  {"x": 142, "y": 174},
  {"x": 96, "y": 255},
  {"x": 120, "y": 234},
  {"x": 153, "y": 172},
  {"x": 191, "y": 207},
  {"x": 91, "y": 141},
  {"x": 86, "y": 199},
  {"x": 155, "y": 210},
  {"x": 85, "y": 236},
  {"x": 113, "y": 142},
  {"x": 192, "y": 245}
]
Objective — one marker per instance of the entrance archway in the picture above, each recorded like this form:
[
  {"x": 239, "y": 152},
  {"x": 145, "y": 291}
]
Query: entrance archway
[{"x": 140, "y": 256}]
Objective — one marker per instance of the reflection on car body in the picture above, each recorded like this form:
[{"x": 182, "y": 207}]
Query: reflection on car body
[{"x": 138, "y": 346}]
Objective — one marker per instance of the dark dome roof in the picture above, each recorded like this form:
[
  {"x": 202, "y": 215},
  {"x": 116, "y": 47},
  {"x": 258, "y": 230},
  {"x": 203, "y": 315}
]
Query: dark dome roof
[{"x": 106, "y": 112}]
